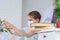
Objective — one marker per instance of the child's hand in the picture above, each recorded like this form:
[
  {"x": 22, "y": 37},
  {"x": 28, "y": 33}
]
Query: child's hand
[{"x": 7, "y": 24}]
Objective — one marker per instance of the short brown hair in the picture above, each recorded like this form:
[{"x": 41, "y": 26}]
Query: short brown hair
[{"x": 35, "y": 15}]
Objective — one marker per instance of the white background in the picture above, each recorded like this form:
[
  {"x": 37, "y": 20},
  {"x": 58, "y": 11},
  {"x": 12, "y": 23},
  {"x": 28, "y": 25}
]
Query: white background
[
  {"x": 31, "y": 5},
  {"x": 11, "y": 10}
]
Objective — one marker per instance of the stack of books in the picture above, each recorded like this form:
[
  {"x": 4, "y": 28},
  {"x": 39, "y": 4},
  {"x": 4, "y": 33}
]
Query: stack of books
[{"x": 42, "y": 26}]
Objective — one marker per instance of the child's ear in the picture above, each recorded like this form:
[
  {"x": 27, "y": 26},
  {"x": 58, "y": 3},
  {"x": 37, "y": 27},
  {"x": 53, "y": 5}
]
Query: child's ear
[{"x": 37, "y": 20}]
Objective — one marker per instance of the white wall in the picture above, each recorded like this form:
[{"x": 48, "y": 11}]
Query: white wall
[
  {"x": 29, "y": 5},
  {"x": 11, "y": 10}
]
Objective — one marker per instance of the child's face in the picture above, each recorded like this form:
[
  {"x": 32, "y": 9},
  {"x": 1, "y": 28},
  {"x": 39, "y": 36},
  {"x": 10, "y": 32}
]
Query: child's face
[{"x": 30, "y": 18}]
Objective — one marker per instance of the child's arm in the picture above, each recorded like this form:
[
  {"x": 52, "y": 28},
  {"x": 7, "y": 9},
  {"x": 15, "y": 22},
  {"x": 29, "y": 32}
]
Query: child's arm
[
  {"x": 8, "y": 25},
  {"x": 31, "y": 32}
]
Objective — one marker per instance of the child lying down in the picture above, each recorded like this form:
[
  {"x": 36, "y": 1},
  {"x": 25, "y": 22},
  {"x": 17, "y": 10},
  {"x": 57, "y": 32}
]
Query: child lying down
[{"x": 8, "y": 36}]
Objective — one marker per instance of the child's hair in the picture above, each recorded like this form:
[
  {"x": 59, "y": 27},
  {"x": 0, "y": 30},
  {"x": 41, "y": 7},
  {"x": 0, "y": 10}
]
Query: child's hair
[{"x": 35, "y": 15}]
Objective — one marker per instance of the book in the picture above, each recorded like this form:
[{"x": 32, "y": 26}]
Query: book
[{"x": 42, "y": 25}]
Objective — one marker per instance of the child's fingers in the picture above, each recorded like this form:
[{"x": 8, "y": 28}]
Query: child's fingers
[{"x": 7, "y": 24}]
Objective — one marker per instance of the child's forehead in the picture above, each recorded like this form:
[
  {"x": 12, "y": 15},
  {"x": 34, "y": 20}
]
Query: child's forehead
[{"x": 30, "y": 17}]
